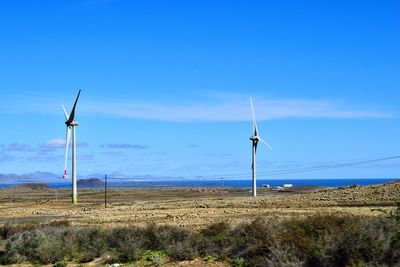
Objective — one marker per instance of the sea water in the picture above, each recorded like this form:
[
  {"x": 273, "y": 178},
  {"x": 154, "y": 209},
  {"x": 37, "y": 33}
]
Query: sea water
[{"x": 127, "y": 183}]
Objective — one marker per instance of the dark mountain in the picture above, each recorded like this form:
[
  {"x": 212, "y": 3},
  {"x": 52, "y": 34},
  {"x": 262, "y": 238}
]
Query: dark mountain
[
  {"x": 91, "y": 182},
  {"x": 44, "y": 176},
  {"x": 48, "y": 177},
  {"x": 34, "y": 177}
]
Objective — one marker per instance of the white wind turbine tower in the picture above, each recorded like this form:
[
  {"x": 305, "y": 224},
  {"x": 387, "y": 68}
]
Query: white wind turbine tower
[
  {"x": 71, "y": 124},
  {"x": 255, "y": 138}
]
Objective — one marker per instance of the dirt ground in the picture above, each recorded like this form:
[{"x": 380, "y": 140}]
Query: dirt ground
[{"x": 191, "y": 207}]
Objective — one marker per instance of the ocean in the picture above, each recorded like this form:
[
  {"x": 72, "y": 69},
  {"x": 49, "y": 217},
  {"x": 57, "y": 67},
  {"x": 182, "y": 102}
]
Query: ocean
[{"x": 124, "y": 183}]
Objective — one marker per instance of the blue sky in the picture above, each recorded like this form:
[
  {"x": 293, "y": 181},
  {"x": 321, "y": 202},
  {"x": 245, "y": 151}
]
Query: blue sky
[{"x": 166, "y": 85}]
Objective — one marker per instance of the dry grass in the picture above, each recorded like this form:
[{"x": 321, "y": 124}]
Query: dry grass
[
  {"x": 194, "y": 208},
  {"x": 305, "y": 223}
]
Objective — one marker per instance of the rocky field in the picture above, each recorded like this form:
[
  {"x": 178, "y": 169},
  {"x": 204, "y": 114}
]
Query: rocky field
[{"x": 193, "y": 208}]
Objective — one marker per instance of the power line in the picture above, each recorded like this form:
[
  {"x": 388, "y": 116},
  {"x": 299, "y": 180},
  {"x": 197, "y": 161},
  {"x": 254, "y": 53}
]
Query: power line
[
  {"x": 318, "y": 167},
  {"x": 295, "y": 170},
  {"x": 326, "y": 166}
]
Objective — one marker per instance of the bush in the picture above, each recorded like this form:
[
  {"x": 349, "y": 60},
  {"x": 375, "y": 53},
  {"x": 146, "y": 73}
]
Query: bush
[
  {"x": 126, "y": 243},
  {"x": 60, "y": 264},
  {"x": 177, "y": 241},
  {"x": 34, "y": 246},
  {"x": 252, "y": 240},
  {"x": 308, "y": 239},
  {"x": 332, "y": 240},
  {"x": 215, "y": 240},
  {"x": 319, "y": 240},
  {"x": 152, "y": 257},
  {"x": 61, "y": 223},
  {"x": 6, "y": 231},
  {"x": 92, "y": 243}
]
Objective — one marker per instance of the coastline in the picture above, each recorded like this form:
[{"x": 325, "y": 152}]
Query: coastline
[{"x": 222, "y": 183}]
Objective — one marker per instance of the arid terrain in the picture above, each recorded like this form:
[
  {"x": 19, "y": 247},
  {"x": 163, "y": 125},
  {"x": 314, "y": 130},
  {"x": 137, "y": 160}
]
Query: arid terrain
[{"x": 194, "y": 208}]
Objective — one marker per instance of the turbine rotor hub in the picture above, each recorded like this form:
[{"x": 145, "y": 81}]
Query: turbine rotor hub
[
  {"x": 254, "y": 138},
  {"x": 73, "y": 123}
]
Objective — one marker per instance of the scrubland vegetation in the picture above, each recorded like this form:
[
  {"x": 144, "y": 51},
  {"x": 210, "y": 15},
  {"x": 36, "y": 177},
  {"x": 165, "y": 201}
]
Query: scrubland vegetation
[
  {"x": 316, "y": 240},
  {"x": 347, "y": 226}
]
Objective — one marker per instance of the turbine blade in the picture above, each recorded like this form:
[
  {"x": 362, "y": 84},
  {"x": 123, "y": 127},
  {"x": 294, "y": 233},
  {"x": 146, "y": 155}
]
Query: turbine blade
[
  {"x": 65, "y": 113},
  {"x": 254, "y": 117},
  {"x": 67, "y": 138},
  {"x": 72, "y": 115},
  {"x": 265, "y": 143}
]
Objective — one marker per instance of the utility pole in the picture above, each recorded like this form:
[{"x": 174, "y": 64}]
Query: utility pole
[{"x": 105, "y": 191}]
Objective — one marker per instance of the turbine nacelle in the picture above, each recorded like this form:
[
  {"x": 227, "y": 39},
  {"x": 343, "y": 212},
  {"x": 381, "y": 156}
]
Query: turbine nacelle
[
  {"x": 70, "y": 124},
  {"x": 254, "y": 138},
  {"x": 66, "y": 176}
]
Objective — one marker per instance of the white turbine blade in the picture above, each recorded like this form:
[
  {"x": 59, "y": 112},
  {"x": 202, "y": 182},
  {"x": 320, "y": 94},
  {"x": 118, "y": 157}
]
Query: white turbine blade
[
  {"x": 254, "y": 117},
  {"x": 65, "y": 113},
  {"x": 265, "y": 143},
  {"x": 68, "y": 136}
]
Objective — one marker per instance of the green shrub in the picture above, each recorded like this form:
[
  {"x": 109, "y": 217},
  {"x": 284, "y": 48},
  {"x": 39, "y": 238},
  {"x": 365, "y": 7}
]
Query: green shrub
[
  {"x": 34, "y": 246},
  {"x": 60, "y": 264},
  {"x": 332, "y": 240},
  {"x": 182, "y": 250},
  {"x": 126, "y": 243},
  {"x": 318, "y": 240},
  {"x": 238, "y": 262},
  {"x": 92, "y": 243},
  {"x": 177, "y": 241},
  {"x": 215, "y": 240},
  {"x": 6, "y": 231},
  {"x": 151, "y": 257},
  {"x": 308, "y": 239}
]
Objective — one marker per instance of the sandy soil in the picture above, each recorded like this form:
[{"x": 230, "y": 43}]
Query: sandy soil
[{"x": 194, "y": 208}]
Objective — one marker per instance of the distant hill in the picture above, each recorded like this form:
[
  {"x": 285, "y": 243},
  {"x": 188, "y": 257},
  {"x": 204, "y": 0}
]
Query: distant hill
[
  {"x": 113, "y": 174},
  {"x": 34, "y": 177},
  {"x": 34, "y": 185},
  {"x": 49, "y": 177},
  {"x": 8, "y": 178},
  {"x": 91, "y": 182}
]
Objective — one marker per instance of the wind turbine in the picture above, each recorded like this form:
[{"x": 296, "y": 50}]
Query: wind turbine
[
  {"x": 255, "y": 138},
  {"x": 71, "y": 124}
]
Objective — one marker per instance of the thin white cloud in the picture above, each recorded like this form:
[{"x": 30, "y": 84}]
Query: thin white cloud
[
  {"x": 124, "y": 145},
  {"x": 4, "y": 157},
  {"x": 211, "y": 107},
  {"x": 40, "y": 152},
  {"x": 56, "y": 143},
  {"x": 16, "y": 147},
  {"x": 233, "y": 110},
  {"x": 194, "y": 146},
  {"x": 60, "y": 143}
]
